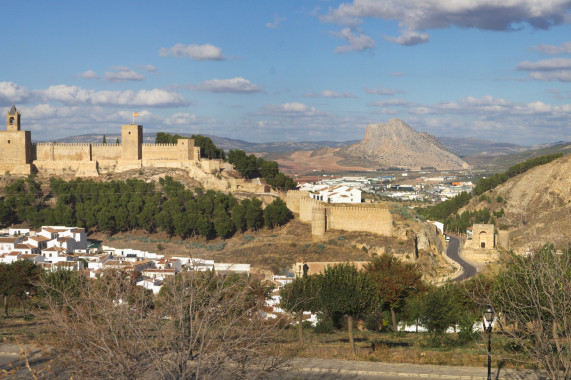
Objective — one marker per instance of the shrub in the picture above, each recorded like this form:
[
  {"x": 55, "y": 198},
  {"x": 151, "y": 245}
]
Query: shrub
[{"x": 324, "y": 324}]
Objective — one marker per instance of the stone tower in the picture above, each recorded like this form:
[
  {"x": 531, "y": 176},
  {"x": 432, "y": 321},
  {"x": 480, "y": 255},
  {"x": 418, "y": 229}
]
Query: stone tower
[
  {"x": 15, "y": 146},
  {"x": 132, "y": 142},
  {"x": 483, "y": 236},
  {"x": 318, "y": 221},
  {"x": 13, "y": 119}
]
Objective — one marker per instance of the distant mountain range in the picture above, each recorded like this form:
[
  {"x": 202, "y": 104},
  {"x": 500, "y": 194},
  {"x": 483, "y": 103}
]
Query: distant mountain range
[
  {"x": 221, "y": 142},
  {"x": 478, "y": 153}
]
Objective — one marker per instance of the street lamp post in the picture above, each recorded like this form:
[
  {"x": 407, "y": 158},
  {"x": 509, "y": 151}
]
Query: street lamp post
[{"x": 488, "y": 319}]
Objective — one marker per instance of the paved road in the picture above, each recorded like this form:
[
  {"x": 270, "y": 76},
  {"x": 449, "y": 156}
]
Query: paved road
[
  {"x": 345, "y": 369},
  {"x": 311, "y": 369},
  {"x": 453, "y": 253}
]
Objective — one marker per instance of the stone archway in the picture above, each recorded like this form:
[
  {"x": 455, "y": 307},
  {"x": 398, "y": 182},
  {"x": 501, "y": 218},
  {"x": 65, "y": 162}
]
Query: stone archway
[{"x": 483, "y": 238}]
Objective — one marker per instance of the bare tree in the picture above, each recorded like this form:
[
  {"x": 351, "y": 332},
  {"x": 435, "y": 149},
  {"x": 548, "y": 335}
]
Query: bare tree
[
  {"x": 201, "y": 325},
  {"x": 99, "y": 328},
  {"x": 533, "y": 298},
  {"x": 216, "y": 328}
]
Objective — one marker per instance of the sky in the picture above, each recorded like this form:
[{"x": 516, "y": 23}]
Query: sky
[{"x": 290, "y": 70}]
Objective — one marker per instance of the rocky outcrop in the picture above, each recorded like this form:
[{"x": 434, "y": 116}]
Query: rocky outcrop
[{"x": 395, "y": 144}]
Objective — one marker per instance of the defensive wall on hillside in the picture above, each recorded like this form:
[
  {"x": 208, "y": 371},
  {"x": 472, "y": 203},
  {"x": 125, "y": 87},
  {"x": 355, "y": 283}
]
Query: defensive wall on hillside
[
  {"x": 325, "y": 216},
  {"x": 19, "y": 156}
]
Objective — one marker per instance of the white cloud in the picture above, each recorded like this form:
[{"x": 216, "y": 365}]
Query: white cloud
[
  {"x": 276, "y": 23},
  {"x": 409, "y": 38},
  {"x": 546, "y": 65},
  {"x": 422, "y": 15},
  {"x": 73, "y": 95},
  {"x": 89, "y": 74},
  {"x": 122, "y": 74},
  {"x": 560, "y": 76},
  {"x": 181, "y": 119},
  {"x": 392, "y": 103},
  {"x": 484, "y": 108},
  {"x": 148, "y": 68},
  {"x": 555, "y": 69},
  {"x": 236, "y": 85},
  {"x": 564, "y": 48},
  {"x": 11, "y": 92},
  {"x": 206, "y": 52},
  {"x": 356, "y": 41},
  {"x": 328, "y": 94},
  {"x": 293, "y": 109},
  {"x": 382, "y": 91}
]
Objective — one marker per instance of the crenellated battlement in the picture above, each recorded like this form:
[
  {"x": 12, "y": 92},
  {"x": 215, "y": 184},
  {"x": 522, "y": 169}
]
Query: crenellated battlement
[
  {"x": 159, "y": 145},
  {"x": 59, "y": 144},
  {"x": 105, "y": 145},
  {"x": 18, "y": 153}
]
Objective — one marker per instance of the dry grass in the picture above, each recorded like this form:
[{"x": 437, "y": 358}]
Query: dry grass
[
  {"x": 268, "y": 250},
  {"x": 20, "y": 328},
  {"x": 406, "y": 348}
]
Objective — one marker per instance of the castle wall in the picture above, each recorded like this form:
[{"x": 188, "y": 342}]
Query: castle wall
[
  {"x": 292, "y": 199},
  {"x": 57, "y": 167},
  {"x": 305, "y": 208},
  {"x": 324, "y": 216},
  {"x": 359, "y": 218},
  {"x": 62, "y": 152},
  {"x": 102, "y": 152},
  {"x": 211, "y": 166},
  {"x": 160, "y": 152}
]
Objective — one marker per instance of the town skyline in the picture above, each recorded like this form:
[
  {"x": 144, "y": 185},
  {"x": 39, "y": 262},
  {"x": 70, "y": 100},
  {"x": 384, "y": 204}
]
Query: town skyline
[{"x": 292, "y": 71}]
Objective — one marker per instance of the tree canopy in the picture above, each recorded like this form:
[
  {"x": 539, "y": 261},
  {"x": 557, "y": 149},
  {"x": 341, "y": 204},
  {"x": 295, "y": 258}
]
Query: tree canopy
[
  {"x": 344, "y": 290},
  {"x": 302, "y": 294},
  {"x": 207, "y": 148},
  {"x": 117, "y": 206},
  {"x": 18, "y": 279},
  {"x": 395, "y": 280},
  {"x": 250, "y": 166}
]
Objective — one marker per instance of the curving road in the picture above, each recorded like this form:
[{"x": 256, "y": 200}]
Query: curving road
[{"x": 453, "y": 252}]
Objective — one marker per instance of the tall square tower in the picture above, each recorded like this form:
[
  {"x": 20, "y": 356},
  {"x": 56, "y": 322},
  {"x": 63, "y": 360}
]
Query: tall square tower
[{"x": 131, "y": 142}]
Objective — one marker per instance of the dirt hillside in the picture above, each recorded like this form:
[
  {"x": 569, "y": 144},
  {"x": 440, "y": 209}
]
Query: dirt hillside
[{"x": 537, "y": 205}]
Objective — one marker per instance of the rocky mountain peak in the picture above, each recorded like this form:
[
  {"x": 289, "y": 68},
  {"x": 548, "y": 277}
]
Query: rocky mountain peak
[{"x": 396, "y": 144}]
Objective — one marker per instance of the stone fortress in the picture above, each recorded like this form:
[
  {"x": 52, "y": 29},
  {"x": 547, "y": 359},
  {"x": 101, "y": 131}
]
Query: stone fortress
[
  {"x": 324, "y": 216},
  {"x": 18, "y": 155}
]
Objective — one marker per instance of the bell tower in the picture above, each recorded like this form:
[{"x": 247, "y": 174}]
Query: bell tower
[
  {"x": 15, "y": 146},
  {"x": 13, "y": 119}
]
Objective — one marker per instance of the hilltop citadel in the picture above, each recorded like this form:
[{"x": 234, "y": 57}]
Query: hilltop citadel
[{"x": 18, "y": 155}]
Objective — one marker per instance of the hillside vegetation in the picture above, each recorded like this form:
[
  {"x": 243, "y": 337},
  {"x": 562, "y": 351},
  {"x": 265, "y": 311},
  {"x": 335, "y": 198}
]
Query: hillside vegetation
[
  {"x": 118, "y": 206},
  {"x": 490, "y": 207}
]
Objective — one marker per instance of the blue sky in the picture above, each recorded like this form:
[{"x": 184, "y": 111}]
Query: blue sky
[{"x": 290, "y": 70}]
